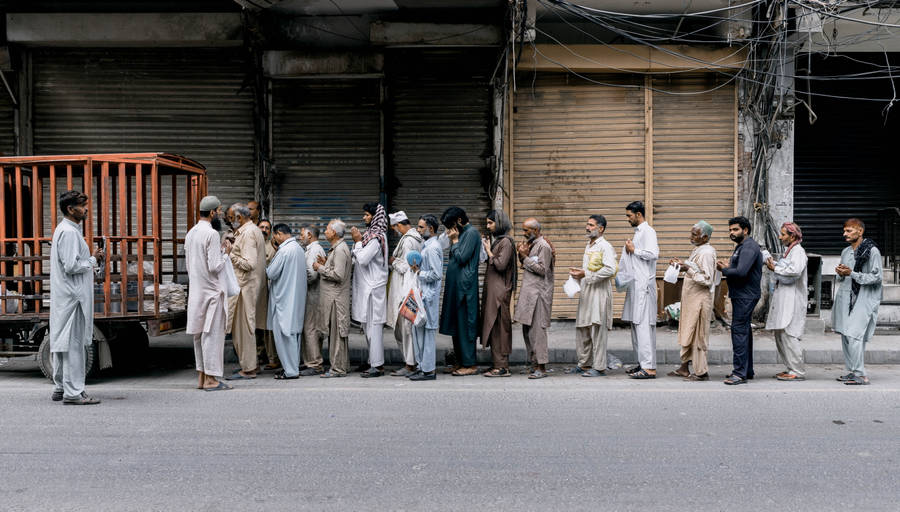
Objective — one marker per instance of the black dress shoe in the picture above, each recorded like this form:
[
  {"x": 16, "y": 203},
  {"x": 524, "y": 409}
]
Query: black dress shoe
[
  {"x": 423, "y": 376},
  {"x": 371, "y": 373},
  {"x": 362, "y": 368}
]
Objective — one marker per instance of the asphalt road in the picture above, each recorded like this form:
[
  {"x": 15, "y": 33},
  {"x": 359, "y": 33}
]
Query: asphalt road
[{"x": 459, "y": 443}]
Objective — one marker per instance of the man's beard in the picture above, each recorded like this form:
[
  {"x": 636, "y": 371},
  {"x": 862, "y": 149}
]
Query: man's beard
[
  {"x": 736, "y": 238},
  {"x": 530, "y": 238},
  {"x": 216, "y": 224},
  {"x": 426, "y": 235},
  {"x": 592, "y": 234}
]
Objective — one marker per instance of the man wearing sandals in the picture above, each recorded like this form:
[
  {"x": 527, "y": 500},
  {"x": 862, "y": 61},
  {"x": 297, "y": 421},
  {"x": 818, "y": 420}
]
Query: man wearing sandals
[
  {"x": 641, "y": 253},
  {"x": 536, "y": 296},
  {"x": 287, "y": 304},
  {"x": 787, "y": 307},
  {"x": 206, "y": 257},
  {"x": 595, "y": 315},
  {"x": 334, "y": 298},
  {"x": 859, "y": 295}
]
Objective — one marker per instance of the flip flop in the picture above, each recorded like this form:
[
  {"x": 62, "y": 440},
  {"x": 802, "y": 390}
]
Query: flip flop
[
  {"x": 857, "y": 381},
  {"x": 537, "y": 374},
  {"x": 221, "y": 387},
  {"x": 238, "y": 376}
]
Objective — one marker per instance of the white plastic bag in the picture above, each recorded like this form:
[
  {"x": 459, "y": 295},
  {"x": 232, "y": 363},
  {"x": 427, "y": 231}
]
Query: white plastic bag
[
  {"x": 571, "y": 287},
  {"x": 625, "y": 274},
  {"x": 230, "y": 281},
  {"x": 671, "y": 275}
]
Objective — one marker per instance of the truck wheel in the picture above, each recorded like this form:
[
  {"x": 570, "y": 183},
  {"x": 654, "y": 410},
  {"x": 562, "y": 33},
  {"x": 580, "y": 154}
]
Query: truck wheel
[
  {"x": 90, "y": 358},
  {"x": 131, "y": 347}
]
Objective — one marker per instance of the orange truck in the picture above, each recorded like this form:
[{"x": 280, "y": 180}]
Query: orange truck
[{"x": 141, "y": 205}]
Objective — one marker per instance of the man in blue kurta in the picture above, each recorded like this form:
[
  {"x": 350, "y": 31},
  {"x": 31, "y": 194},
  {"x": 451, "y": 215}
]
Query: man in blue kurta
[
  {"x": 855, "y": 312},
  {"x": 287, "y": 299},
  {"x": 459, "y": 318},
  {"x": 429, "y": 273}
]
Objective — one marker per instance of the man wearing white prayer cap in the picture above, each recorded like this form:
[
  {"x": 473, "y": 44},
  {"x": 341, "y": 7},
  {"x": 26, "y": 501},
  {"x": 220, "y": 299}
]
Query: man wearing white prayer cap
[{"x": 410, "y": 240}]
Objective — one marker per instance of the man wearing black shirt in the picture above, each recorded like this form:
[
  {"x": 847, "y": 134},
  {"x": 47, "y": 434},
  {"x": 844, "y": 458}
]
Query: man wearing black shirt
[{"x": 743, "y": 274}]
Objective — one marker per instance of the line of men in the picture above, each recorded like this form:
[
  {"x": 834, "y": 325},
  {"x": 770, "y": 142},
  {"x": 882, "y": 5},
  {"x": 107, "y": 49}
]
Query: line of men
[{"x": 300, "y": 276}]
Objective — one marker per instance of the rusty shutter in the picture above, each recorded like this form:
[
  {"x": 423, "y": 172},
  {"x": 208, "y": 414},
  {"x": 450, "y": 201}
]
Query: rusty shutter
[
  {"x": 578, "y": 150},
  {"x": 440, "y": 131},
  {"x": 183, "y": 101},
  {"x": 693, "y": 163},
  {"x": 326, "y": 147}
]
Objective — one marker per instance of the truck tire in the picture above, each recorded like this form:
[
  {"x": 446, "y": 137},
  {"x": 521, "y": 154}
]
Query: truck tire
[
  {"x": 90, "y": 358},
  {"x": 131, "y": 347}
]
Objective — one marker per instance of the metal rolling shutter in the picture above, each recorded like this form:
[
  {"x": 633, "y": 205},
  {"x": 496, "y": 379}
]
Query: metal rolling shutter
[
  {"x": 440, "y": 131},
  {"x": 183, "y": 101},
  {"x": 7, "y": 120},
  {"x": 326, "y": 145},
  {"x": 693, "y": 164},
  {"x": 578, "y": 150}
]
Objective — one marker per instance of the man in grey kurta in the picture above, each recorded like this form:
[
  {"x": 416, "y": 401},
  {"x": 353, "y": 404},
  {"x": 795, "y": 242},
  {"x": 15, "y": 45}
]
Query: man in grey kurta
[
  {"x": 859, "y": 294},
  {"x": 334, "y": 298},
  {"x": 536, "y": 295},
  {"x": 313, "y": 328},
  {"x": 287, "y": 299},
  {"x": 430, "y": 273},
  {"x": 71, "y": 301}
]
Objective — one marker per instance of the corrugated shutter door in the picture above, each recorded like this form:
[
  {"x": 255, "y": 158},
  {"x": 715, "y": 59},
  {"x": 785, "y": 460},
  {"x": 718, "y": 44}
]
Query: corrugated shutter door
[
  {"x": 7, "y": 122},
  {"x": 693, "y": 164},
  {"x": 578, "y": 150},
  {"x": 183, "y": 101},
  {"x": 326, "y": 138},
  {"x": 440, "y": 132}
]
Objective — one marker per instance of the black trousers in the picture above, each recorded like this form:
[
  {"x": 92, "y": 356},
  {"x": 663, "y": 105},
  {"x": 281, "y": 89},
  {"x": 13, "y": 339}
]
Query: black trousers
[{"x": 742, "y": 337}]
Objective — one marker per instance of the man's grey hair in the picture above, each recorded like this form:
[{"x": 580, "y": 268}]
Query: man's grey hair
[
  {"x": 241, "y": 209},
  {"x": 338, "y": 226}
]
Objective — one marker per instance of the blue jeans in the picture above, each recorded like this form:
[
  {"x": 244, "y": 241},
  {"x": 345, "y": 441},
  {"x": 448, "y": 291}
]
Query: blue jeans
[{"x": 742, "y": 337}]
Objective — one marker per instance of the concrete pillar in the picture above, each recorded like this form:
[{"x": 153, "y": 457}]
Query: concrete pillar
[{"x": 781, "y": 175}]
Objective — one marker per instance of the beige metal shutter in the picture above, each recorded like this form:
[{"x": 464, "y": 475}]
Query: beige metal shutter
[
  {"x": 693, "y": 163},
  {"x": 184, "y": 101},
  {"x": 579, "y": 149},
  {"x": 326, "y": 146}
]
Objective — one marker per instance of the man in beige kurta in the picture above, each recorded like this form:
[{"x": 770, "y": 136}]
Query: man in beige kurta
[
  {"x": 536, "y": 295},
  {"x": 312, "y": 323},
  {"x": 248, "y": 255},
  {"x": 334, "y": 298},
  {"x": 594, "y": 317},
  {"x": 265, "y": 341},
  {"x": 696, "y": 304}
]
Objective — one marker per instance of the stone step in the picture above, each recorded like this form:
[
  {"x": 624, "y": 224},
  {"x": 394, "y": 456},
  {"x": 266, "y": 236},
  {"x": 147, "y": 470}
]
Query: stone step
[
  {"x": 890, "y": 293},
  {"x": 888, "y": 276},
  {"x": 889, "y": 314}
]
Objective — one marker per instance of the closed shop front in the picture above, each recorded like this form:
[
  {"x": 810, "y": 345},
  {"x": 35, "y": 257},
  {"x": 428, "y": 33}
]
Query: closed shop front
[
  {"x": 326, "y": 143},
  {"x": 440, "y": 131},
  {"x": 7, "y": 119},
  {"x": 184, "y": 101},
  {"x": 592, "y": 146}
]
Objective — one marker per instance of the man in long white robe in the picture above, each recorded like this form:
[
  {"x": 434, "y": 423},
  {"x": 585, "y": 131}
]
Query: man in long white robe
[
  {"x": 287, "y": 304},
  {"x": 370, "y": 275},
  {"x": 642, "y": 251},
  {"x": 71, "y": 301},
  {"x": 313, "y": 326},
  {"x": 410, "y": 240},
  {"x": 787, "y": 306},
  {"x": 206, "y": 258}
]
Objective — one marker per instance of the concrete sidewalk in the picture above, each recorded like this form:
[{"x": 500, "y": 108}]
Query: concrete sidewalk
[{"x": 818, "y": 348}]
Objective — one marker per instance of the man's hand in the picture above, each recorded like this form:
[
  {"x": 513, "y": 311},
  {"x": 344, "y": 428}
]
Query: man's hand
[
  {"x": 577, "y": 273},
  {"x": 320, "y": 259},
  {"x": 453, "y": 235},
  {"x": 355, "y": 234},
  {"x": 98, "y": 254},
  {"x": 720, "y": 264},
  {"x": 675, "y": 261},
  {"x": 522, "y": 249},
  {"x": 770, "y": 264},
  {"x": 227, "y": 246},
  {"x": 629, "y": 246},
  {"x": 843, "y": 270}
]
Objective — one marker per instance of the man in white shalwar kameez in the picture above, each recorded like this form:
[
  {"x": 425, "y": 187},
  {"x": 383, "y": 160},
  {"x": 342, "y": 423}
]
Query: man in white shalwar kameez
[
  {"x": 287, "y": 300},
  {"x": 207, "y": 259},
  {"x": 71, "y": 301},
  {"x": 787, "y": 306},
  {"x": 410, "y": 240},
  {"x": 370, "y": 275},
  {"x": 642, "y": 251}
]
